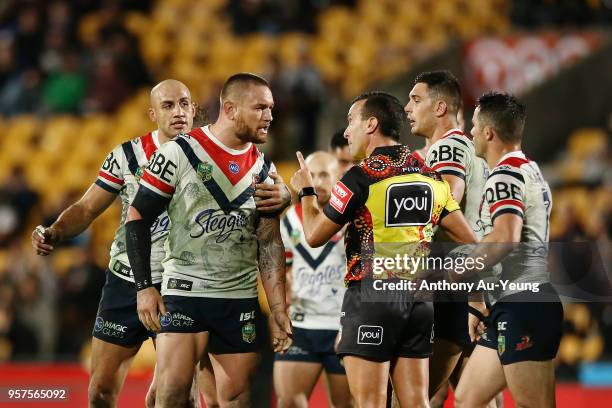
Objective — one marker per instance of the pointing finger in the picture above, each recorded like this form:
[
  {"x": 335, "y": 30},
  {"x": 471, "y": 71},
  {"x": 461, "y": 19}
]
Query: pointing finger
[{"x": 300, "y": 159}]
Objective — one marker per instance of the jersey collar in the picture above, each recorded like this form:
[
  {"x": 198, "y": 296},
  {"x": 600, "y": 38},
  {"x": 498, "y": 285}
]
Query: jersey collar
[
  {"x": 517, "y": 154},
  {"x": 386, "y": 149},
  {"x": 155, "y": 138},
  {"x": 216, "y": 141},
  {"x": 455, "y": 131}
]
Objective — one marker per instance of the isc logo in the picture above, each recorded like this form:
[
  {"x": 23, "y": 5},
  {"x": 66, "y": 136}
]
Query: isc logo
[
  {"x": 247, "y": 316},
  {"x": 408, "y": 204}
]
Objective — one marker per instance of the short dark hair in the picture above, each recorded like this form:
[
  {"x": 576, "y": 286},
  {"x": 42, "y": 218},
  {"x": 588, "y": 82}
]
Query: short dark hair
[
  {"x": 201, "y": 117},
  {"x": 241, "y": 79},
  {"x": 387, "y": 109},
  {"x": 504, "y": 113},
  {"x": 442, "y": 85},
  {"x": 338, "y": 141}
]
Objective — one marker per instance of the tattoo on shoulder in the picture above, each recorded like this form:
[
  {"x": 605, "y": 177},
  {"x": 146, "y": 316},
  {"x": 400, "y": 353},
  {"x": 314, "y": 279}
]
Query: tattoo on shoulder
[{"x": 270, "y": 248}]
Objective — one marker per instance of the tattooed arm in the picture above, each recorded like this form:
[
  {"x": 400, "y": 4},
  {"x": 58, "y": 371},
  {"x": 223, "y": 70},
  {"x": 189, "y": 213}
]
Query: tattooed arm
[{"x": 271, "y": 254}]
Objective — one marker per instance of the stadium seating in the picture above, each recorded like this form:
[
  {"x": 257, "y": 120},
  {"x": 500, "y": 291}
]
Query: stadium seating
[{"x": 193, "y": 41}]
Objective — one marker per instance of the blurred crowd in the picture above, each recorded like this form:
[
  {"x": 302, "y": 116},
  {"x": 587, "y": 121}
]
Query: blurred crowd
[{"x": 46, "y": 67}]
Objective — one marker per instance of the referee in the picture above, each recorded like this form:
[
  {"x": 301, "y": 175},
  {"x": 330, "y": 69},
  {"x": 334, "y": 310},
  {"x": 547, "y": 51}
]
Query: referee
[{"x": 387, "y": 198}]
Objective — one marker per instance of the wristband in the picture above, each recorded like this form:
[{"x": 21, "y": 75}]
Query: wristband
[
  {"x": 476, "y": 312},
  {"x": 306, "y": 191}
]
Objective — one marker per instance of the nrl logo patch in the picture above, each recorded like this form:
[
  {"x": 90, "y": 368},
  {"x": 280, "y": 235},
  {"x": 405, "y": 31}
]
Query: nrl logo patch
[
  {"x": 248, "y": 332},
  {"x": 204, "y": 171},
  {"x": 139, "y": 173},
  {"x": 501, "y": 344},
  {"x": 295, "y": 237}
]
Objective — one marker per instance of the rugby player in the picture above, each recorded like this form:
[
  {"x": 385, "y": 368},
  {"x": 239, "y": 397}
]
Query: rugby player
[
  {"x": 317, "y": 289},
  {"x": 433, "y": 112},
  {"x": 390, "y": 337},
  {"x": 118, "y": 334},
  {"x": 216, "y": 245},
  {"x": 339, "y": 148},
  {"x": 523, "y": 329}
]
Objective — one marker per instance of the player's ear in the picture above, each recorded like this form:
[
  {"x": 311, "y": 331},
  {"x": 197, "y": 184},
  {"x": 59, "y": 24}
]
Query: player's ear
[
  {"x": 488, "y": 133},
  {"x": 440, "y": 108},
  {"x": 152, "y": 115},
  {"x": 372, "y": 124},
  {"x": 229, "y": 108}
]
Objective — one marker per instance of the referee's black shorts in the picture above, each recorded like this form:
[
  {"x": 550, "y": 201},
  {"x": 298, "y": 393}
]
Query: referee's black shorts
[{"x": 384, "y": 330}]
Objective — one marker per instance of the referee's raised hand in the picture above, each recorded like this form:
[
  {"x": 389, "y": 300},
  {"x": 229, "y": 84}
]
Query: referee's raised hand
[
  {"x": 301, "y": 178},
  {"x": 149, "y": 303}
]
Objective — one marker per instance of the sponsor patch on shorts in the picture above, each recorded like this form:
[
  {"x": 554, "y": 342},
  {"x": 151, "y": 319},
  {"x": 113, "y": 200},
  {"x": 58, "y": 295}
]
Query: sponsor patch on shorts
[{"x": 371, "y": 335}]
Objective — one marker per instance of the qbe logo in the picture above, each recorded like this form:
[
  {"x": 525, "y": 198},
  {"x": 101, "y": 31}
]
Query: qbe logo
[
  {"x": 408, "y": 204},
  {"x": 371, "y": 335}
]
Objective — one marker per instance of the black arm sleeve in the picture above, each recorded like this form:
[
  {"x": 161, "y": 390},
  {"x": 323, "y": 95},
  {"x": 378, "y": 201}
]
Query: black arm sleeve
[{"x": 138, "y": 235}]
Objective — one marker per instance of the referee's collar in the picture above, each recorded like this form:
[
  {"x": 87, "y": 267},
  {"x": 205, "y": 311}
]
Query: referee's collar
[{"x": 387, "y": 149}]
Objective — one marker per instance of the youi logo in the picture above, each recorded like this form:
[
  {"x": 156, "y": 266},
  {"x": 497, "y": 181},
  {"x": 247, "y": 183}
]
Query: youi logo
[{"x": 371, "y": 335}]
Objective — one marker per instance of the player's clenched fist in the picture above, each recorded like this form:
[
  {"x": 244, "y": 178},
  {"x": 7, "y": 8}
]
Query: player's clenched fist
[
  {"x": 272, "y": 197},
  {"x": 149, "y": 303},
  {"x": 43, "y": 240},
  {"x": 302, "y": 178},
  {"x": 282, "y": 333}
]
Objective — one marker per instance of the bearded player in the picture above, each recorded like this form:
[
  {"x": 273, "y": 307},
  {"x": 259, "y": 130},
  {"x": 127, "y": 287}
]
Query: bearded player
[
  {"x": 118, "y": 335},
  {"x": 217, "y": 245}
]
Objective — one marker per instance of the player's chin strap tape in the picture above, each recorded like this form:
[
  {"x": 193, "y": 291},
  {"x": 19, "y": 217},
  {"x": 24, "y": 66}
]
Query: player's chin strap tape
[
  {"x": 476, "y": 312},
  {"x": 138, "y": 235}
]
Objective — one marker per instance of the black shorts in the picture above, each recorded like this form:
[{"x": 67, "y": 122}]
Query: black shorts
[
  {"x": 314, "y": 346},
  {"x": 450, "y": 319},
  {"x": 524, "y": 331},
  {"x": 117, "y": 319},
  {"x": 231, "y": 323},
  {"x": 383, "y": 331}
]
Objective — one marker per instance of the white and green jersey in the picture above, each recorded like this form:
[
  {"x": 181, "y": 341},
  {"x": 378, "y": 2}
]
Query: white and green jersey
[
  {"x": 454, "y": 154},
  {"x": 516, "y": 186},
  {"x": 120, "y": 174},
  {"x": 211, "y": 250},
  {"x": 317, "y": 286}
]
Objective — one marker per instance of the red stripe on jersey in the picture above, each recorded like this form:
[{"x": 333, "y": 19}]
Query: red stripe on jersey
[
  {"x": 513, "y": 161},
  {"x": 298, "y": 211},
  {"x": 288, "y": 254},
  {"x": 148, "y": 145},
  {"x": 418, "y": 157},
  {"x": 515, "y": 203},
  {"x": 225, "y": 160},
  {"x": 455, "y": 132},
  {"x": 447, "y": 164},
  {"x": 158, "y": 184},
  {"x": 110, "y": 178}
]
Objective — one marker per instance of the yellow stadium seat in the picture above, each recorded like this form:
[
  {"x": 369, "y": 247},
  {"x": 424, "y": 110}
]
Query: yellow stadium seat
[{"x": 570, "y": 349}]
